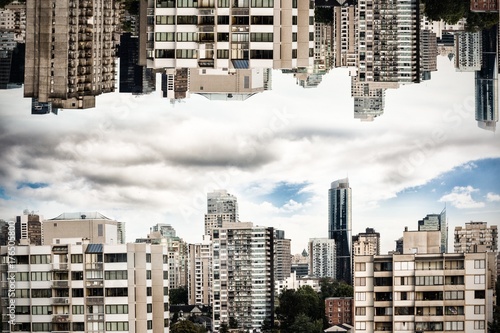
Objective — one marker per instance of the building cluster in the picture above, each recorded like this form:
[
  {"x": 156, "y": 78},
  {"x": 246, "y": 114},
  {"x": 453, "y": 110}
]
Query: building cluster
[
  {"x": 75, "y": 273},
  {"x": 12, "y": 47}
]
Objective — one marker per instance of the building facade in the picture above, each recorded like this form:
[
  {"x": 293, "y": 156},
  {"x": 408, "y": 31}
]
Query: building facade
[
  {"x": 468, "y": 53},
  {"x": 222, "y": 207},
  {"x": 338, "y": 310},
  {"x": 436, "y": 222},
  {"x": 70, "y": 51},
  {"x": 229, "y": 34},
  {"x": 366, "y": 243},
  {"x": 88, "y": 288},
  {"x": 424, "y": 292},
  {"x": 243, "y": 275},
  {"x": 200, "y": 272},
  {"x": 322, "y": 258},
  {"x": 29, "y": 229},
  {"x": 282, "y": 256},
  {"x": 340, "y": 227},
  {"x": 476, "y": 237}
]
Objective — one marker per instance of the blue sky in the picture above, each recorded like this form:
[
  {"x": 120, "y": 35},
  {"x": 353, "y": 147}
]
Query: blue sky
[{"x": 142, "y": 161}]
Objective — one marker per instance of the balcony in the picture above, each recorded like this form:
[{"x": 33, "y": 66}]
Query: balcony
[
  {"x": 95, "y": 300},
  {"x": 60, "y": 284},
  {"x": 95, "y": 317},
  {"x": 95, "y": 284},
  {"x": 60, "y": 318},
  {"x": 60, "y": 266},
  {"x": 60, "y": 300}
]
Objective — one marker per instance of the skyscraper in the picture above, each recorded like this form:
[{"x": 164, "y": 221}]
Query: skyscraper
[
  {"x": 221, "y": 207},
  {"x": 282, "y": 256},
  {"x": 340, "y": 226},
  {"x": 322, "y": 258},
  {"x": 436, "y": 222}
]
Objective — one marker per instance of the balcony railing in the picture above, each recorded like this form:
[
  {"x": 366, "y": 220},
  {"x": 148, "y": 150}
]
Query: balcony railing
[
  {"x": 60, "y": 300},
  {"x": 60, "y": 318},
  {"x": 60, "y": 284}
]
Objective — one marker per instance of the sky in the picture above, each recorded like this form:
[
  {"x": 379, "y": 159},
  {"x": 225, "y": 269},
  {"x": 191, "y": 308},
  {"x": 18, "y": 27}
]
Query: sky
[{"x": 143, "y": 160}]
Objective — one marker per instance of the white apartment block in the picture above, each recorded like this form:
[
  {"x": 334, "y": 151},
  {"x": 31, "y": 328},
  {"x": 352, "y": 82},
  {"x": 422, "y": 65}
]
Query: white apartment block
[
  {"x": 424, "y": 292},
  {"x": 243, "y": 282},
  {"x": 293, "y": 282},
  {"x": 322, "y": 258},
  {"x": 200, "y": 272},
  {"x": 345, "y": 34},
  {"x": 468, "y": 55},
  {"x": 229, "y": 33},
  {"x": 86, "y": 288},
  {"x": 476, "y": 237}
]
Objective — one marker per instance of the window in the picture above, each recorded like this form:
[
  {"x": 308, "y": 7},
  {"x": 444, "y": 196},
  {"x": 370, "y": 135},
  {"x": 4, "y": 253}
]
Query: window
[
  {"x": 187, "y": 19},
  {"x": 261, "y": 54},
  {"x": 22, "y": 310},
  {"x": 479, "y": 294},
  {"x": 117, "y": 309},
  {"x": 261, "y": 37},
  {"x": 77, "y": 258},
  {"x": 41, "y": 293},
  {"x": 163, "y": 54},
  {"x": 22, "y": 293},
  {"x": 148, "y": 275},
  {"x": 164, "y": 36},
  {"x": 294, "y": 54},
  {"x": 181, "y": 37},
  {"x": 165, "y": 291},
  {"x": 117, "y": 326},
  {"x": 223, "y": 37},
  {"x": 149, "y": 308},
  {"x": 361, "y": 281},
  {"x": 41, "y": 327},
  {"x": 479, "y": 264},
  {"x": 78, "y": 327},
  {"x": 149, "y": 325},
  {"x": 221, "y": 54},
  {"x": 361, "y": 325},
  {"x": 223, "y": 3},
  {"x": 478, "y": 279},
  {"x": 164, "y": 19},
  {"x": 100, "y": 230},
  {"x": 454, "y": 310},
  {"x": 360, "y": 296},
  {"x": 360, "y": 267},
  {"x": 454, "y": 325},
  {"x": 360, "y": 311},
  {"x": 22, "y": 276},
  {"x": 117, "y": 292},
  {"x": 454, "y": 294},
  {"x": 429, "y": 265},
  {"x": 311, "y": 36},
  {"x": 115, "y": 257},
  {"x": 294, "y": 36},
  {"x": 115, "y": 275},
  {"x": 294, "y": 20},
  {"x": 92, "y": 275},
  {"x": 41, "y": 276},
  {"x": 479, "y": 324},
  {"x": 478, "y": 309},
  {"x": 404, "y": 311},
  {"x": 41, "y": 310},
  {"x": 260, "y": 20},
  {"x": 40, "y": 259},
  {"x": 187, "y": 3},
  {"x": 77, "y": 309},
  {"x": 77, "y": 292},
  {"x": 428, "y": 280},
  {"x": 262, "y": 3},
  {"x": 240, "y": 20},
  {"x": 223, "y": 19},
  {"x": 186, "y": 54},
  {"x": 77, "y": 275}
]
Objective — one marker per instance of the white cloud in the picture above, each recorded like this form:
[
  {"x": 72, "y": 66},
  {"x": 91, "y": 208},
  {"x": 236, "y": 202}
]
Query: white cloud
[
  {"x": 493, "y": 197},
  {"x": 461, "y": 198}
]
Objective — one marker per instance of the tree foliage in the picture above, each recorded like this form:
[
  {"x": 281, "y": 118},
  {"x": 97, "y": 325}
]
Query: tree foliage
[
  {"x": 299, "y": 304},
  {"x": 304, "y": 324},
  {"x": 333, "y": 288},
  {"x": 131, "y": 6},
  {"x": 178, "y": 296},
  {"x": 186, "y": 326},
  {"x": 323, "y": 15},
  {"x": 223, "y": 327}
]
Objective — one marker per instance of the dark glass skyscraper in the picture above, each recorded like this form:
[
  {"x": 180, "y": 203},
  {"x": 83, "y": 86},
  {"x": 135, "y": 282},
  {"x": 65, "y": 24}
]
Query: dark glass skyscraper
[{"x": 340, "y": 226}]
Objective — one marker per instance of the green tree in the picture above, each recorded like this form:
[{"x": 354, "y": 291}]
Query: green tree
[
  {"x": 333, "y": 288},
  {"x": 233, "y": 323},
  {"x": 223, "y": 327},
  {"x": 186, "y": 326},
  {"x": 178, "y": 296},
  {"x": 323, "y": 15},
  {"x": 304, "y": 324},
  {"x": 293, "y": 303},
  {"x": 451, "y": 11}
]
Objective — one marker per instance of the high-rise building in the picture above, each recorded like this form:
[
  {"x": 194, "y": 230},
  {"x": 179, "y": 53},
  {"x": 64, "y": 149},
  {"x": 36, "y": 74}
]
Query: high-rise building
[
  {"x": 300, "y": 264},
  {"x": 243, "y": 275},
  {"x": 29, "y": 229},
  {"x": 70, "y": 51},
  {"x": 344, "y": 36},
  {"x": 340, "y": 226},
  {"x": 93, "y": 226},
  {"x": 421, "y": 292},
  {"x": 486, "y": 80},
  {"x": 87, "y": 288},
  {"x": 436, "y": 222},
  {"x": 200, "y": 272},
  {"x": 282, "y": 256},
  {"x": 366, "y": 243},
  {"x": 476, "y": 237},
  {"x": 322, "y": 261},
  {"x": 134, "y": 78},
  {"x": 484, "y": 5},
  {"x": 221, "y": 207},
  {"x": 428, "y": 53},
  {"x": 229, "y": 34}
]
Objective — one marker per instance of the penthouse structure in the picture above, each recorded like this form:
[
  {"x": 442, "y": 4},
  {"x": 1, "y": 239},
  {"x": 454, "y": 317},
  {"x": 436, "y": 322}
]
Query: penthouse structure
[
  {"x": 423, "y": 289},
  {"x": 87, "y": 287},
  {"x": 70, "y": 51},
  {"x": 228, "y": 34}
]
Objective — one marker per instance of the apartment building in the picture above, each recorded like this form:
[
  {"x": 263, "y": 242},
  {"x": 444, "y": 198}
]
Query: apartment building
[
  {"x": 344, "y": 36},
  {"x": 366, "y": 243},
  {"x": 338, "y": 310},
  {"x": 29, "y": 229},
  {"x": 468, "y": 55},
  {"x": 243, "y": 279},
  {"x": 222, "y": 207},
  {"x": 229, "y": 34},
  {"x": 200, "y": 272},
  {"x": 282, "y": 256},
  {"x": 422, "y": 289},
  {"x": 87, "y": 288},
  {"x": 322, "y": 258},
  {"x": 476, "y": 237},
  {"x": 70, "y": 51}
]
